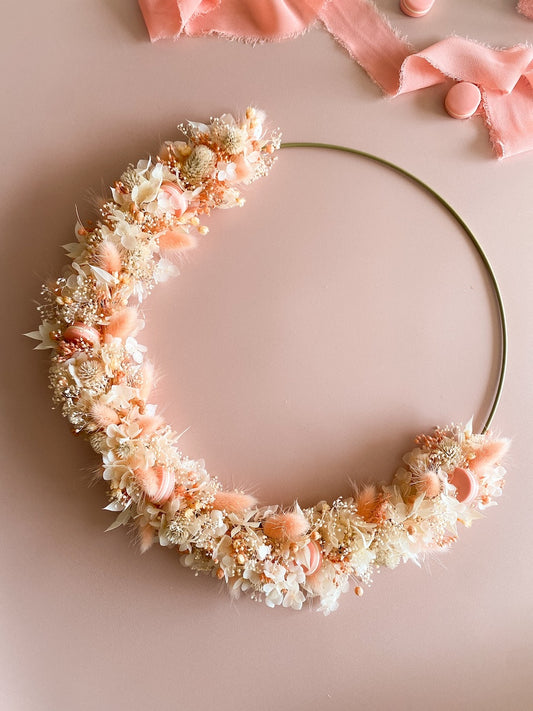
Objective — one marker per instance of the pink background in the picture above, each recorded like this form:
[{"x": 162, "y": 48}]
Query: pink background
[{"x": 312, "y": 335}]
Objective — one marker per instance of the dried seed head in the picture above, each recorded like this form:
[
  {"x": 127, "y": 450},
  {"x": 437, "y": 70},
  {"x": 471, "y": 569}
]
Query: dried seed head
[
  {"x": 199, "y": 164},
  {"x": 232, "y": 139}
]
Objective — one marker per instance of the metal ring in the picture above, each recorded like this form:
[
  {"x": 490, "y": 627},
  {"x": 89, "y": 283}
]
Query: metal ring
[{"x": 479, "y": 249}]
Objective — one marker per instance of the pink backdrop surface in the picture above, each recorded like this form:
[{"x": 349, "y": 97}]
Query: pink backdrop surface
[{"x": 311, "y": 336}]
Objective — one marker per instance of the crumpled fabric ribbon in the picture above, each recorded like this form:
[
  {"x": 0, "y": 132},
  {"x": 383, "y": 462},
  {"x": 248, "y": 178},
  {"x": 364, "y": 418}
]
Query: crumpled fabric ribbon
[
  {"x": 505, "y": 77},
  {"x": 526, "y": 8}
]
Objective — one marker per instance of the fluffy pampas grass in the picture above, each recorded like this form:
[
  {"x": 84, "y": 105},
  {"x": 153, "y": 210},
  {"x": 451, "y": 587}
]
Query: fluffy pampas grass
[
  {"x": 233, "y": 501},
  {"x": 123, "y": 323},
  {"x": 489, "y": 454},
  {"x": 366, "y": 501},
  {"x": 290, "y": 526},
  {"x": 157, "y": 483},
  {"x": 177, "y": 240},
  {"x": 371, "y": 504},
  {"x": 428, "y": 483},
  {"x": 146, "y": 536},
  {"x": 108, "y": 257},
  {"x": 103, "y": 416}
]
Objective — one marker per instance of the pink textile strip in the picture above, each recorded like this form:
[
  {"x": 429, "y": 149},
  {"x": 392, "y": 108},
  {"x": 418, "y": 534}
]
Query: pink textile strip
[
  {"x": 162, "y": 18},
  {"x": 240, "y": 19},
  {"x": 505, "y": 77},
  {"x": 526, "y": 8},
  {"x": 369, "y": 39},
  {"x": 271, "y": 20}
]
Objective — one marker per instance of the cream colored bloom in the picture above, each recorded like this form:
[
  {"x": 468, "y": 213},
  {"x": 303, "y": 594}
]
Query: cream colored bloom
[
  {"x": 150, "y": 180},
  {"x": 43, "y": 335}
]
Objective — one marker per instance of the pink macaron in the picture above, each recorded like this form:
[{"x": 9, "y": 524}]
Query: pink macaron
[
  {"x": 79, "y": 331},
  {"x": 157, "y": 483},
  {"x": 313, "y": 558},
  {"x": 175, "y": 200},
  {"x": 462, "y": 100},
  {"x": 416, "y": 8},
  {"x": 465, "y": 484},
  {"x": 163, "y": 484}
]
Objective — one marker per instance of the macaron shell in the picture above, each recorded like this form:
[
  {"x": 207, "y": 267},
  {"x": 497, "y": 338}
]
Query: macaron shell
[
  {"x": 163, "y": 484},
  {"x": 176, "y": 197},
  {"x": 314, "y": 558},
  {"x": 80, "y": 330},
  {"x": 416, "y": 8},
  {"x": 462, "y": 100},
  {"x": 157, "y": 483},
  {"x": 465, "y": 484}
]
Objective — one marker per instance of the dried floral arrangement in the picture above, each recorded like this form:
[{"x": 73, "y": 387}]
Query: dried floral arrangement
[{"x": 101, "y": 380}]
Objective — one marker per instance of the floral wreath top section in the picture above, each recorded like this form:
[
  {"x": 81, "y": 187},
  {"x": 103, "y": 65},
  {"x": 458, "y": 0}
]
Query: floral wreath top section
[{"x": 102, "y": 381}]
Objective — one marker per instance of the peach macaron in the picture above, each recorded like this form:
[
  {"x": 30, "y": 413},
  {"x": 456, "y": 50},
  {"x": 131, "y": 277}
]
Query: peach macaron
[
  {"x": 416, "y": 8},
  {"x": 462, "y": 100}
]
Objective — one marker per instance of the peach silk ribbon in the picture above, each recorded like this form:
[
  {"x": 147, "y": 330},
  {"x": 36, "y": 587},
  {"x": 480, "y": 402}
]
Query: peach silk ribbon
[
  {"x": 505, "y": 76},
  {"x": 526, "y": 8}
]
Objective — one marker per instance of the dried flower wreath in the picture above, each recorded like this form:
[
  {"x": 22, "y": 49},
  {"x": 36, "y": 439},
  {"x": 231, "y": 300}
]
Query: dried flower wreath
[{"x": 101, "y": 380}]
